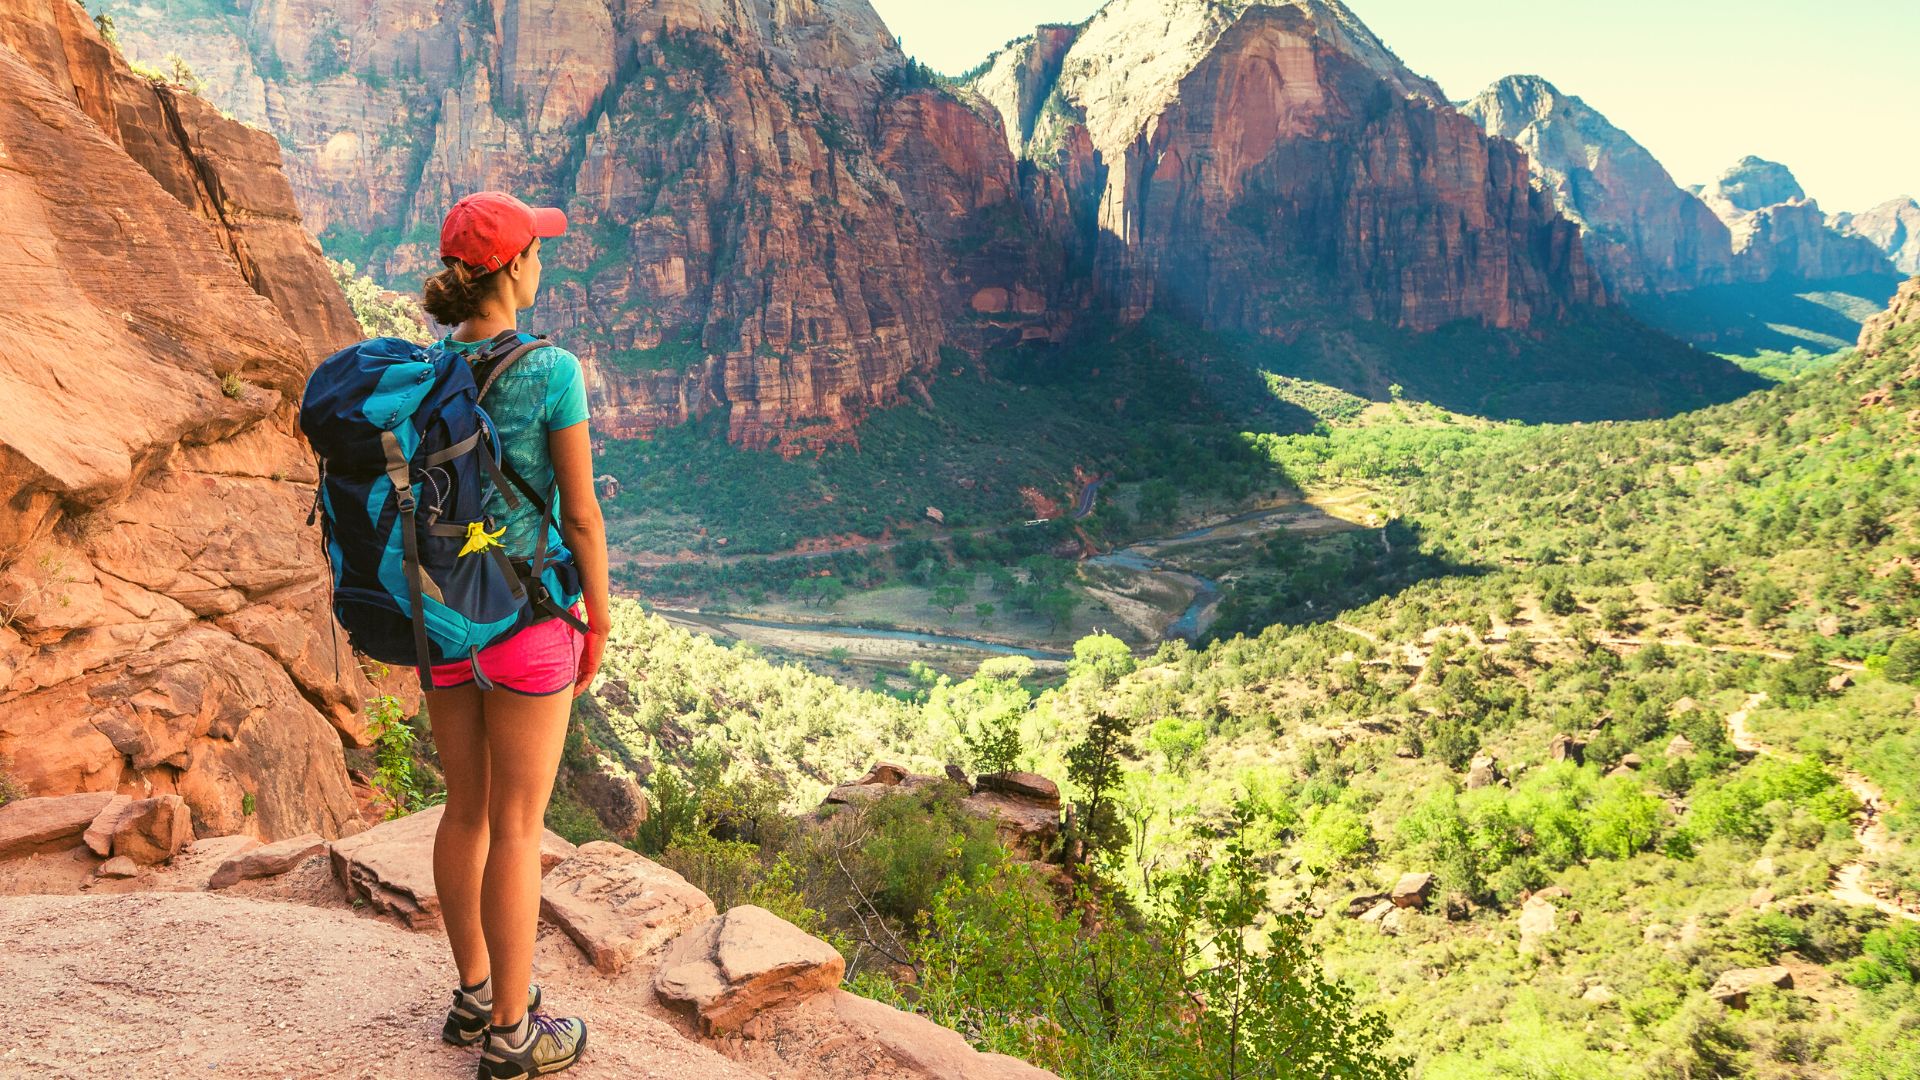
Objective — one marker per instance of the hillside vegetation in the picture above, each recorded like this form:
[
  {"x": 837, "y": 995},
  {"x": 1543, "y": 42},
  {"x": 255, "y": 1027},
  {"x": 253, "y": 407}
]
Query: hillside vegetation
[{"x": 1627, "y": 590}]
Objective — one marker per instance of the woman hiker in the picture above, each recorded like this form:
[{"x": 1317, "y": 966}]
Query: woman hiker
[{"x": 500, "y": 748}]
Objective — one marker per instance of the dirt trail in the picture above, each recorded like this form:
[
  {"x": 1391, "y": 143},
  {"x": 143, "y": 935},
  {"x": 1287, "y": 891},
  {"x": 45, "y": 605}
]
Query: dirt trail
[
  {"x": 179, "y": 984},
  {"x": 1849, "y": 885}
]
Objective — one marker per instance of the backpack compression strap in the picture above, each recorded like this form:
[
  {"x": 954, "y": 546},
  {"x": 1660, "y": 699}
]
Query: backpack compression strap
[{"x": 418, "y": 583}]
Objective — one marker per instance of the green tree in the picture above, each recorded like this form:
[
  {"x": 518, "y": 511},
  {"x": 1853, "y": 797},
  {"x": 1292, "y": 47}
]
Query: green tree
[
  {"x": 1093, "y": 768},
  {"x": 1180, "y": 740}
]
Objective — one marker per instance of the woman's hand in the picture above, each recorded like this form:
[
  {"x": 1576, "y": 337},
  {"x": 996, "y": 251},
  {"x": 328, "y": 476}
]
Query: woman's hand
[{"x": 590, "y": 652}]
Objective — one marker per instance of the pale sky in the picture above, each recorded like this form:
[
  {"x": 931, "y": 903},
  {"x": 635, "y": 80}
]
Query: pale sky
[{"x": 1831, "y": 88}]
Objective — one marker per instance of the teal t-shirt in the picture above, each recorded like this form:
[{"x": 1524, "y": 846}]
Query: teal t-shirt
[{"x": 543, "y": 391}]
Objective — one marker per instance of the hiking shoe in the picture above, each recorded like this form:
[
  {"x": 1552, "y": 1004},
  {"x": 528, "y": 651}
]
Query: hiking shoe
[
  {"x": 551, "y": 1044},
  {"x": 467, "y": 1020}
]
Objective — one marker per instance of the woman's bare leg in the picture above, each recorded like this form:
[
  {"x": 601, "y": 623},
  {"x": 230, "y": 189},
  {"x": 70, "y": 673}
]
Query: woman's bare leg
[
  {"x": 524, "y": 739},
  {"x": 460, "y": 846}
]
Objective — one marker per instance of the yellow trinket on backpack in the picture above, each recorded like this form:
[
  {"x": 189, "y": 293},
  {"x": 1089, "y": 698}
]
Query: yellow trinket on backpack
[{"x": 479, "y": 539}]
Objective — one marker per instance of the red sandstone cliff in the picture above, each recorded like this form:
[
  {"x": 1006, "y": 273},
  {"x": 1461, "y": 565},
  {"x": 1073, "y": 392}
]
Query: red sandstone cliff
[
  {"x": 1261, "y": 163},
  {"x": 738, "y": 245},
  {"x": 163, "y": 620}
]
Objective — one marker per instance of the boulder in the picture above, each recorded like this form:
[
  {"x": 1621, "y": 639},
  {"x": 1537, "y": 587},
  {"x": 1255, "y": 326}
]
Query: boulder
[
  {"x": 1680, "y": 747},
  {"x": 959, "y": 776},
  {"x": 269, "y": 861},
  {"x": 99, "y": 835},
  {"x": 925, "y": 1047},
  {"x": 735, "y": 966},
  {"x": 1599, "y": 994},
  {"x": 619, "y": 906},
  {"x": 390, "y": 866},
  {"x": 1733, "y": 986},
  {"x": 1481, "y": 772},
  {"x": 614, "y": 797},
  {"x": 1411, "y": 890},
  {"x": 153, "y": 830},
  {"x": 118, "y": 867},
  {"x": 1537, "y": 921},
  {"x": 884, "y": 773},
  {"x": 28, "y": 826},
  {"x": 1567, "y": 748},
  {"x": 1632, "y": 761},
  {"x": 1839, "y": 682},
  {"x": 1025, "y": 825},
  {"x": 1554, "y": 892},
  {"x": 1023, "y": 785},
  {"x": 849, "y": 794},
  {"x": 1377, "y": 912}
]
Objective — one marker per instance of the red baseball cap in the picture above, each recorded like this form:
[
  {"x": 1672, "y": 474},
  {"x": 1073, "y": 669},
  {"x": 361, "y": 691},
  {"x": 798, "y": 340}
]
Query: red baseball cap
[{"x": 488, "y": 228}]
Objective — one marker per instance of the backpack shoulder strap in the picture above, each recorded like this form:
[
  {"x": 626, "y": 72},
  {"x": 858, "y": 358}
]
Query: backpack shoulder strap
[{"x": 501, "y": 353}]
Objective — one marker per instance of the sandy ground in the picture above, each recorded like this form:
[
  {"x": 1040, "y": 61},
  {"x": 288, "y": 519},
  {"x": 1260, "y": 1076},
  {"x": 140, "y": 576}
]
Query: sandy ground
[{"x": 223, "y": 985}]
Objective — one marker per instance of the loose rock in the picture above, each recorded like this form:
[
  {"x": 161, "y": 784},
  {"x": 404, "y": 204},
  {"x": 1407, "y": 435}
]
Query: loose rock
[
  {"x": 99, "y": 835},
  {"x": 926, "y": 1047},
  {"x": 1732, "y": 987},
  {"x": 619, "y": 906},
  {"x": 1411, "y": 890},
  {"x": 1481, "y": 772},
  {"x": 390, "y": 866},
  {"x": 269, "y": 861},
  {"x": 153, "y": 830},
  {"x": 738, "y": 965},
  {"x": 118, "y": 867},
  {"x": 49, "y": 824}
]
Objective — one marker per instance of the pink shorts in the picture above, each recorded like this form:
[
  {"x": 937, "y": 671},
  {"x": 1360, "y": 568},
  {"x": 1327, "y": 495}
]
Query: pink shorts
[{"x": 540, "y": 660}]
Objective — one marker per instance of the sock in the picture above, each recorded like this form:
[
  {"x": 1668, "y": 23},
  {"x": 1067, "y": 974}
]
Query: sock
[
  {"x": 481, "y": 992},
  {"x": 514, "y": 1035}
]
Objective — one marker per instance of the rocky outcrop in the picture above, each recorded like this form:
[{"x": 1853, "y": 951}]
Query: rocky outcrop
[
  {"x": 1778, "y": 232},
  {"x": 1904, "y": 311},
  {"x": 49, "y": 823},
  {"x": 1893, "y": 227},
  {"x": 1643, "y": 232},
  {"x": 1260, "y": 163},
  {"x": 618, "y": 906},
  {"x": 164, "y": 628},
  {"x": 734, "y": 967},
  {"x": 1412, "y": 890},
  {"x": 268, "y": 860},
  {"x": 390, "y": 866},
  {"x": 1733, "y": 986},
  {"x": 1024, "y": 808}
]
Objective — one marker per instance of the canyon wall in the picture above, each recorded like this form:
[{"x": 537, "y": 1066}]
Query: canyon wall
[
  {"x": 164, "y": 624},
  {"x": 1643, "y": 232},
  {"x": 1260, "y": 165}
]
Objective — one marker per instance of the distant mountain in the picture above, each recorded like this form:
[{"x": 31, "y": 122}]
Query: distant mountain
[
  {"x": 1893, "y": 227},
  {"x": 1254, "y": 165},
  {"x": 1643, "y": 232},
  {"x": 1778, "y": 232}
]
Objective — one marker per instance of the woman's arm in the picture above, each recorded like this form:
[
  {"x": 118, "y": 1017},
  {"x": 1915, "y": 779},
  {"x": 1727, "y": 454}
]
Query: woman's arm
[{"x": 585, "y": 532}]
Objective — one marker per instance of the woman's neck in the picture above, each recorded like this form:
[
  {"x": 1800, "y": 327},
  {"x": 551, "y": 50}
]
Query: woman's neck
[{"x": 484, "y": 326}]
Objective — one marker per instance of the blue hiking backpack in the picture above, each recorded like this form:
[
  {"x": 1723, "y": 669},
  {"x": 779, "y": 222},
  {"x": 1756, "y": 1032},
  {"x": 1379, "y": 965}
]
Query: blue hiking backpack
[{"x": 407, "y": 461}]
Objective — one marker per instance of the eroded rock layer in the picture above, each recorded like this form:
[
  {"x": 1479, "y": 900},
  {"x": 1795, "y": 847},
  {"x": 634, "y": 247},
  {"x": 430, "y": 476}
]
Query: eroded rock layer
[
  {"x": 1643, "y": 232},
  {"x": 1257, "y": 164},
  {"x": 163, "y": 618}
]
